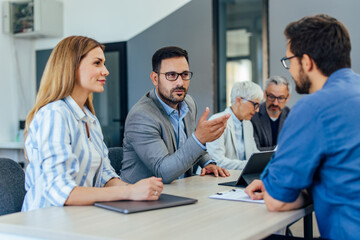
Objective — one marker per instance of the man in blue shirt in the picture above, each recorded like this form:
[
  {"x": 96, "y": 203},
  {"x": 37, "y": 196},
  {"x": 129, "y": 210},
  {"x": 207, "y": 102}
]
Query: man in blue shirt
[
  {"x": 160, "y": 137},
  {"x": 318, "y": 154}
]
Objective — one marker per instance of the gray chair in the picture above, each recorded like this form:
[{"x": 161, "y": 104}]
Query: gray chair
[
  {"x": 116, "y": 156},
  {"x": 12, "y": 186}
]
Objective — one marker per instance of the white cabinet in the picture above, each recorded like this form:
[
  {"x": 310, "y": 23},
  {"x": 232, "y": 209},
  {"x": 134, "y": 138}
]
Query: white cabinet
[{"x": 33, "y": 19}]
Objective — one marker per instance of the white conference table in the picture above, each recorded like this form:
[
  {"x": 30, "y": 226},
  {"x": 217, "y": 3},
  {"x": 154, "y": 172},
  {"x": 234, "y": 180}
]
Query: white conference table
[{"x": 207, "y": 219}]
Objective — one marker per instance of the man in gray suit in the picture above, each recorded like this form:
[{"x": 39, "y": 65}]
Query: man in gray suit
[
  {"x": 160, "y": 137},
  {"x": 269, "y": 120}
]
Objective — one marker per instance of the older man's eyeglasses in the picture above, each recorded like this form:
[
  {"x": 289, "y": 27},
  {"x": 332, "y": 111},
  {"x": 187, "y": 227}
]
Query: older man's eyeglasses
[
  {"x": 272, "y": 98},
  {"x": 173, "y": 76},
  {"x": 286, "y": 61},
  {"x": 256, "y": 105}
]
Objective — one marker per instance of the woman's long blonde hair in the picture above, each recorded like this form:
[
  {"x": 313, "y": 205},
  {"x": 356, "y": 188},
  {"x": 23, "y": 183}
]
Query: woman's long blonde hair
[{"x": 59, "y": 77}]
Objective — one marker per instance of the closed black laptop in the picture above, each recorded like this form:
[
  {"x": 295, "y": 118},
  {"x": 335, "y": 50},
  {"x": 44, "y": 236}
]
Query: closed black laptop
[
  {"x": 165, "y": 201},
  {"x": 253, "y": 169}
]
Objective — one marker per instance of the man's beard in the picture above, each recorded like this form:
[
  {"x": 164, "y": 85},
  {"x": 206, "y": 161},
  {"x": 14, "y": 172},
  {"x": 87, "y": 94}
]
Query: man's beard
[
  {"x": 171, "y": 100},
  {"x": 303, "y": 87},
  {"x": 276, "y": 111}
]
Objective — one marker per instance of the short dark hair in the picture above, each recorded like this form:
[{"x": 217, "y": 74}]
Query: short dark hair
[
  {"x": 165, "y": 53},
  {"x": 325, "y": 39}
]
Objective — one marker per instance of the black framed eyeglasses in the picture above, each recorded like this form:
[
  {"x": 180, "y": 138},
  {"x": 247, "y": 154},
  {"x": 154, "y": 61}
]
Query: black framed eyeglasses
[
  {"x": 256, "y": 105},
  {"x": 173, "y": 76},
  {"x": 272, "y": 98},
  {"x": 286, "y": 61}
]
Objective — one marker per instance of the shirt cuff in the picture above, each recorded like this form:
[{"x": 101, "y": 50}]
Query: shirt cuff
[
  {"x": 200, "y": 144},
  {"x": 277, "y": 191},
  {"x": 210, "y": 162}
]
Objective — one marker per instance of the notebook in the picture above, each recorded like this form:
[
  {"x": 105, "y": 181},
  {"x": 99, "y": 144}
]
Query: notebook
[
  {"x": 127, "y": 206},
  {"x": 253, "y": 169}
]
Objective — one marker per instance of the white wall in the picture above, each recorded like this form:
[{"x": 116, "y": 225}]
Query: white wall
[
  {"x": 8, "y": 102},
  {"x": 106, "y": 21},
  {"x": 17, "y": 83},
  {"x": 111, "y": 20}
]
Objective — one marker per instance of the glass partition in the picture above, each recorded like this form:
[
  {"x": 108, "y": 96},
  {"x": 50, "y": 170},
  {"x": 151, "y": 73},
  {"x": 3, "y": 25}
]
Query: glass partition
[{"x": 241, "y": 37}]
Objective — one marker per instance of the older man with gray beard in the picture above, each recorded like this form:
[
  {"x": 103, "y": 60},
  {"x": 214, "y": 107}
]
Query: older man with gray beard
[{"x": 272, "y": 113}]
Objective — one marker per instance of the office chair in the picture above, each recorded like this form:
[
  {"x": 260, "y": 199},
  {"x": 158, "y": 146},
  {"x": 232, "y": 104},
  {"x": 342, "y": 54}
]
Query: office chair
[
  {"x": 116, "y": 156},
  {"x": 12, "y": 186}
]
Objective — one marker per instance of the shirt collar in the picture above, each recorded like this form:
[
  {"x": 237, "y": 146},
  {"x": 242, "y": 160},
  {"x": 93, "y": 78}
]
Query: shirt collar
[
  {"x": 236, "y": 121},
  {"x": 169, "y": 110},
  {"x": 337, "y": 73},
  {"x": 80, "y": 114}
]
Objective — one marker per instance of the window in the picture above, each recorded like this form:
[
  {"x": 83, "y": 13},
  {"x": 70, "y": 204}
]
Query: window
[
  {"x": 241, "y": 39},
  {"x": 111, "y": 105}
]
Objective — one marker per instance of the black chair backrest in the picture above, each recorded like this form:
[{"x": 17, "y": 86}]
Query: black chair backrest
[
  {"x": 116, "y": 156},
  {"x": 12, "y": 186}
]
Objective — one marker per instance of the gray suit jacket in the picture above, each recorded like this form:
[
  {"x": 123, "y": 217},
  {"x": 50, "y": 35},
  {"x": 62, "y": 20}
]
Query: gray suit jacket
[
  {"x": 150, "y": 145},
  {"x": 262, "y": 127}
]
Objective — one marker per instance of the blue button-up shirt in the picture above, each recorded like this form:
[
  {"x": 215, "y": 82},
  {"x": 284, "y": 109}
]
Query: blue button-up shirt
[
  {"x": 319, "y": 150},
  {"x": 177, "y": 122}
]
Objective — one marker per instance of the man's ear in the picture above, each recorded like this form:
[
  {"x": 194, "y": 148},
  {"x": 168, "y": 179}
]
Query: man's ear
[
  {"x": 265, "y": 95},
  {"x": 238, "y": 99},
  {"x": 287, "y": 98},
  {"x": 307, "y": 63},
  {"x": 154, "y": 78}
]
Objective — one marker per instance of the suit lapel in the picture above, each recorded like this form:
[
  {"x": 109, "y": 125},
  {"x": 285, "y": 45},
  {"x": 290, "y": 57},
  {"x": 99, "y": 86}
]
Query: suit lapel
[
  {"x": 188, "y": 121},
  {"x": 231, "y": 128},
  {"x": 167, "y": 121},
  {"x": 233, "y": 137},
  {"x": 247, "y": 135},
  {"x": 265, "y": 120},
  {"x": 283, "y": 116},
  {"x": 188, "y": 124},
  {"x": 189, "y": 127}
]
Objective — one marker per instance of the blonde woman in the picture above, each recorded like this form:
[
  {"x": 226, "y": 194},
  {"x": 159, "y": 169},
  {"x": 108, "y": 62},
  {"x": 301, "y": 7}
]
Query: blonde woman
[{"x": 68, "y": 160}]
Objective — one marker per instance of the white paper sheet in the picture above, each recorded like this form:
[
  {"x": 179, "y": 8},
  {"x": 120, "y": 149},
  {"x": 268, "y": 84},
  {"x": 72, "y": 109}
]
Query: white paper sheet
[{"x": 235, "y": 195}]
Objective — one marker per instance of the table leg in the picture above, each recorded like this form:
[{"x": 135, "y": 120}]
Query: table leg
[{"x": 308, "y": 226}]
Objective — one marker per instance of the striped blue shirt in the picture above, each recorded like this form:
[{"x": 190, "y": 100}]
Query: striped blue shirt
[{"x": 59, "y": 152}]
